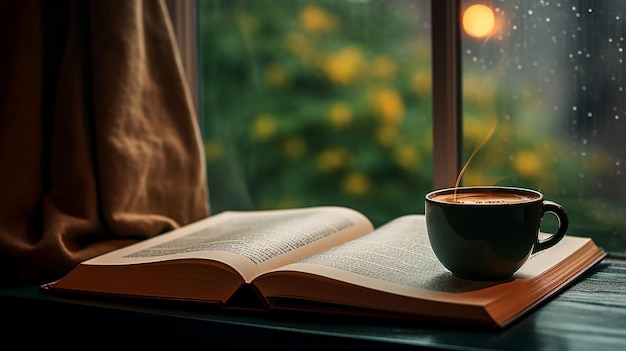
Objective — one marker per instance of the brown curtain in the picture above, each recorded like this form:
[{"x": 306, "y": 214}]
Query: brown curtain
[{"x": 99, "y": 143}]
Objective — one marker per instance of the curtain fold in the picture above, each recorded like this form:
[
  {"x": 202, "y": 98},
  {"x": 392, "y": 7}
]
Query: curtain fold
[{"x": 99, "y": 142}]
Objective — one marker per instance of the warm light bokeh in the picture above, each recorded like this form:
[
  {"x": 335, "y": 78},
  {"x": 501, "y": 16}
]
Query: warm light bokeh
[{"x": 478, "y": 21}]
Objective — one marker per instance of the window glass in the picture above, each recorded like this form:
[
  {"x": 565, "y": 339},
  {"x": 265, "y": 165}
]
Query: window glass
[
  {"x": 317, "y": 103},
  {"x": 543, "y": 90}
]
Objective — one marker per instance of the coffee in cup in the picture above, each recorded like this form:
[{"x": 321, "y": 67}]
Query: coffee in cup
[{"x": 488, "y": 233}]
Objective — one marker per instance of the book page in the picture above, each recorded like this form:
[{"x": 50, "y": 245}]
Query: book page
[
  {"x": 398, "y": 258},
  {"x": 249, "y": 241},
  {"x": 398, "y": 252},
  {"x": 539, "y": 262}
]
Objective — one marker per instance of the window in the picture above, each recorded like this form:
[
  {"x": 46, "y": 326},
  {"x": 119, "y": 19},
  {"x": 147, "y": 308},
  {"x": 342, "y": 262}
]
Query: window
[
  {"x": 331, "y": 102},
  {"x": 317, "y": 103},
  {"x": 550, "y": 78}
]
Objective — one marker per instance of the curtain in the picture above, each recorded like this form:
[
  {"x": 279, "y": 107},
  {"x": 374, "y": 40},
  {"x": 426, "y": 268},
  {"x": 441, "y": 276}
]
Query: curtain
[{"x": 99, "y": 142}]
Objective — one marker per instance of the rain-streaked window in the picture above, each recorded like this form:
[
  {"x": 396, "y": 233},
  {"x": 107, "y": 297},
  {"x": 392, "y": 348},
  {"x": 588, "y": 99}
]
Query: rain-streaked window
[{"x": 550, "y": 78}]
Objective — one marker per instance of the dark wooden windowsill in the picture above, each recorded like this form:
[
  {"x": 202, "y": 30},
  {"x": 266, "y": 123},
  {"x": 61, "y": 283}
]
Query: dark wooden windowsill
[{"x": 590, "y": 315}]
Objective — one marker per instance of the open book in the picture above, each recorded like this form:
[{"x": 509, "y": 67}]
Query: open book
[{"x": 328, "y": 259}]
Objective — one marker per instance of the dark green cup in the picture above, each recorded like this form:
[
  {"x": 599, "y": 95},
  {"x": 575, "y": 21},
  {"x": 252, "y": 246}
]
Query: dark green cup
[{"x": 488, "y": 233}]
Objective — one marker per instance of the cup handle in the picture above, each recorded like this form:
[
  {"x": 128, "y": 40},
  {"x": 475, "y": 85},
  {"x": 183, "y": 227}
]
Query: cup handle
[{"x": 561, "y": 215}]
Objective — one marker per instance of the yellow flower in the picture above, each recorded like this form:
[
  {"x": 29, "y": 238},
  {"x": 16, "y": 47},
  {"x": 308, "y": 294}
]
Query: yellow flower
[
  {"x": 264, "y": 127},
  {"x": 387, "y": 134},
  {"x": 332, "y": 159},
  {"x": 383, "y": 67},
  {"x": 421, "y": 83},
  {"x": 389, "y": 105},
  {"x": 527, "y": 163},
  {"x": 405, "y": 156},
  {"x": 295, "y": 147},
  {"x": 356, "y": 184},
  {"x": 276, "y": 76},
  {"x": 343, "y": 67},
  {"x": 477, "y": 127},
  {"x": 474, "y": 178},
  {"x": 301, "y": 46},
  {"x": 213, "y": 150},
  {"x": 315, "y": 20},
  {"x": 340, "y": 114}
]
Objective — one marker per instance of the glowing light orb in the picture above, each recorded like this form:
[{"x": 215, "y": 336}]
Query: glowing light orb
[{"x": 478, "y": 21}]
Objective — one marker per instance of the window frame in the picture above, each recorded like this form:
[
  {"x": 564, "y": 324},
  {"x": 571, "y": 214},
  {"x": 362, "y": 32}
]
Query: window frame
[{"x": 446, "y": 78}]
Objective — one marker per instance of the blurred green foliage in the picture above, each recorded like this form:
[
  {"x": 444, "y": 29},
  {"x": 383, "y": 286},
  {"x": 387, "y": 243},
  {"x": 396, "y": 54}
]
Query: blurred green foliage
[
  {"x": 329, "y": 103},
  {"x": 307, "y": 103}
]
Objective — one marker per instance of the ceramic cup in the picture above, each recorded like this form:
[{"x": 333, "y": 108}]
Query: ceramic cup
[{"x": 488, "y": 233}]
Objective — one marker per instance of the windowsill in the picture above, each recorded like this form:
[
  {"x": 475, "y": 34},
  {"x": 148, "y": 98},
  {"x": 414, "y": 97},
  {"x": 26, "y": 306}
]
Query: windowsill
[{"x": 559, "y": 324}]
